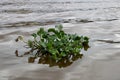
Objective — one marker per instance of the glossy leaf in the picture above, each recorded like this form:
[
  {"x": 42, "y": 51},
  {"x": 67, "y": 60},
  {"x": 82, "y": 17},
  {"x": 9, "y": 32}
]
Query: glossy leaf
[
  {"x": 34, "y": 35},
  {"x": 56, "y": 43}
]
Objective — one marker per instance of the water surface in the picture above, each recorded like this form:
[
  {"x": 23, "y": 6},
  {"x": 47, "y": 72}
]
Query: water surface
[{"x": 98, "y": 19}]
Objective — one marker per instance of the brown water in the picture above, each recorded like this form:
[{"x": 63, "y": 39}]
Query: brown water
[{"x": 100, "y": 20}]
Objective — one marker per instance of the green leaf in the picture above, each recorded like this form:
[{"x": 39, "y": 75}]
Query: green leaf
[
  {"x": 30, "y": 43},
  {"x": 52, "y": 30},
  {"x": 63, "y": 54},
  {"x": 43, "y": 44},
  {"x": 59, "y": 27},
  {"x": 34, "y": 35},
  {"x": 41, "y": 31}
]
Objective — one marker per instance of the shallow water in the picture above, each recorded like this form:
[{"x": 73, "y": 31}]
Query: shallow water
[{"x": 98, "y": 19}]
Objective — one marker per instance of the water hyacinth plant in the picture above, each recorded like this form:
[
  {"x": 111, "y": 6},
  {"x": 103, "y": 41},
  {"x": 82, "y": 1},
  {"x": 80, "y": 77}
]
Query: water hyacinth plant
[{"x": 56, "y": 43}]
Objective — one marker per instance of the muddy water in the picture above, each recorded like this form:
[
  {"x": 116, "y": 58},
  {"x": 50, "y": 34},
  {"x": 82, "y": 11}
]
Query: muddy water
[{"x": 98, "y": 19}]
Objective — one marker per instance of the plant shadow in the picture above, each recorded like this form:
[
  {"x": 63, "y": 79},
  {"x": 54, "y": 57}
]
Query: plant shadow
[{"x": 64, "y": 62}]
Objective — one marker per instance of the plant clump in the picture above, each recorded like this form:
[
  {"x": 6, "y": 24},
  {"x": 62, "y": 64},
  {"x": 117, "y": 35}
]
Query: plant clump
[{"x": 56, "y": 44}]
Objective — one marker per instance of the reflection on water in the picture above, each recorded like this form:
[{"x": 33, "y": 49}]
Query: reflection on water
[{"x": 46, "y": 59}]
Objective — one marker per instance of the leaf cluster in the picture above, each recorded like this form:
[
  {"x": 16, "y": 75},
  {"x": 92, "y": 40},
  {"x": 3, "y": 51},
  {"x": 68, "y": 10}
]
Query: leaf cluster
[{"x": 56, "y": 43}]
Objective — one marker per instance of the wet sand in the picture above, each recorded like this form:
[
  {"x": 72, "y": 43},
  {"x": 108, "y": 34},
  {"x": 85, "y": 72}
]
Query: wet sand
[{"x": 89, "y": 18}]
